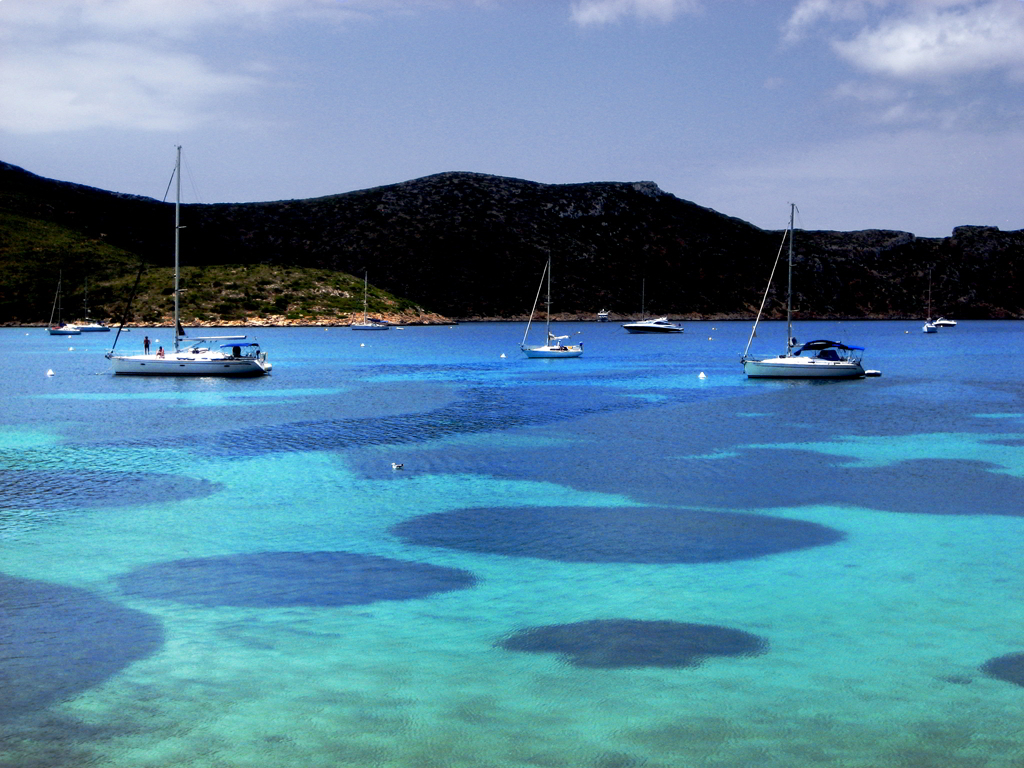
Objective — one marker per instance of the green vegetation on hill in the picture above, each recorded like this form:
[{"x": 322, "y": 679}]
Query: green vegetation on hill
[
  {"x": 228, "y": 293},
  {"x": 34, "y": 253}
]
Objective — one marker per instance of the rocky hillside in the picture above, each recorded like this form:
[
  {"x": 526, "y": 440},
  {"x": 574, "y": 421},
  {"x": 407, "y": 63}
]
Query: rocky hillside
[{"x": 472, "y": 246}]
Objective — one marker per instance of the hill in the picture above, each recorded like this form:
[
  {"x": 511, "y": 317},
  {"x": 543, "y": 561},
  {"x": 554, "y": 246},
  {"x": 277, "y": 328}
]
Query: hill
[{"x": 465, "y": 245}]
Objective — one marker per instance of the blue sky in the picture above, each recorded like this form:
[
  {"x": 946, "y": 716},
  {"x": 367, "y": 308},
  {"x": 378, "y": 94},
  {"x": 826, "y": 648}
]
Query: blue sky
[{"x": 866, "y": 113}]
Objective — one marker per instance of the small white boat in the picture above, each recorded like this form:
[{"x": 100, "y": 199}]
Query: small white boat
[
  {"x": 602, "y": 316},
  {"x": 942, "y": 322},
  {"x": 654, "y": 325},
  {"x": 929, "y": 326},
  {"x": 650, "y": 325},
  {"x": 554, "y": 346},
  {"x": 826, "y": 359},
  {"x": 369, "y": 323},
  {"x": 60, "y": 328},
  {"x": 241, "y": 358}
]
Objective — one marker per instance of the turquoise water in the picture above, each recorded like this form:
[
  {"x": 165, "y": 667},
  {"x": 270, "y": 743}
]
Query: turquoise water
[{"x": 230, "y": 573}]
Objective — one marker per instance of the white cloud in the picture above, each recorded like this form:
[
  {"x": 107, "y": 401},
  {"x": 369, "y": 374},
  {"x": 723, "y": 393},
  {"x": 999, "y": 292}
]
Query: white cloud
[
  {"x": 918, "y": 38},
  {"x": 950, "y": 41},
  {"x": 108, "y": 84},
  {"x": 68, "y": 65},
  {"x": 591, "y": 12}
]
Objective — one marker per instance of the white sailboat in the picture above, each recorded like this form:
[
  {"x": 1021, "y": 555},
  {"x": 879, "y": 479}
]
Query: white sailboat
[
  {"x": 929, "y": 326},
  {"x": 369, "y": 323},
  {"x": 554, "y": 346},
  {"x": 197, "y": 358},
  {"x": 60, "y": 328},
  {"x": 88, "y": 325},
  {"x": 825, "y": 359}
]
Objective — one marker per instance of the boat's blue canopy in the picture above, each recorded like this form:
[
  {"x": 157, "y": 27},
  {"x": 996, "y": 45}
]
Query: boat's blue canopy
[
  {"x": 243, "y": 344},
  {"x": 817, "y": 344}
]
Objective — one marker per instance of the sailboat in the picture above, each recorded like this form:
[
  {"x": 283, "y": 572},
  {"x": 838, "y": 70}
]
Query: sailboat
[
  {"x": 369, "y": 323},
  {"x": 929, "y": 326},
  {"x": 652, "y": 325},
  {"x": 235, "y": 358},
  {"x": 88, "y": 325},
  {"x": 61, "y": 328},
  {"x": 824, "y": 359},
  {"x": 554, "y": 346}
]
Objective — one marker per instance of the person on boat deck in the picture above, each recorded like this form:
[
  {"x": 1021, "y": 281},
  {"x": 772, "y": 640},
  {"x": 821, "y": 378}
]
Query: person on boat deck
[
  {"x": 160, "y": 352},
  {"x": 145, "y": 345}
]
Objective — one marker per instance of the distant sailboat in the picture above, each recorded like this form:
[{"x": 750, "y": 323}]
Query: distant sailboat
[
  {"x": 88, "y": 325},
  {"x": 828, "y": 359},
  {"x": 553, "y": 346},
  {"x": 369, "y": 323},
  {"x": 60, "y": 328}
]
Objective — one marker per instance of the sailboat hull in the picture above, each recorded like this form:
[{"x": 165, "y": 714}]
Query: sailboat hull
[
  {"x": 802, "y": 368},
  {"x": 568, "y": 351},
  {"x": 180, "y": 364}
]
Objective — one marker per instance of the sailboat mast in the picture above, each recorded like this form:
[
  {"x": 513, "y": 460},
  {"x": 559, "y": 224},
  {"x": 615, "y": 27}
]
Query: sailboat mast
[
  {"x": 547, "y": 324},
  {"x": 177, "y": 232},
  {"x": 929, "y": 295},
  {"x": 366, "y": 282},
  {"x": 789, "y": 287}
]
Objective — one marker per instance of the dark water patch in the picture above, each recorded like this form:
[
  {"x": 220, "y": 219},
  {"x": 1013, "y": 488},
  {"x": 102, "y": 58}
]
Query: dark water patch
[
  {"x": 1009, "y": 442},
  {"x": 956, "y": 679},
  {"x": 277, "y": 579},
  {"x": 480, "y": 410},
  {"x": 651, "y": 470},
  {"x": 614, "y": 534},
  {"x": 74, "y": 487},
  {"x": 619, "y": 643},
  {"x": 57, "y": 641},
  {"x": 1008, "y": 668}
]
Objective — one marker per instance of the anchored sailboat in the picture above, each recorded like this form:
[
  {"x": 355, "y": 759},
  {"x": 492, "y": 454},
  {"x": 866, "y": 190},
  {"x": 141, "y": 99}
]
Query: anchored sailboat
[
  {"x": 235, "y": 358},
  {"x": 369, "y": 323},
  {"x": 61, "y": 328},
  {"x": 554, "y": 346},
  {"x": 826, "y": 359},
  {"x": 88, "y": 325}
]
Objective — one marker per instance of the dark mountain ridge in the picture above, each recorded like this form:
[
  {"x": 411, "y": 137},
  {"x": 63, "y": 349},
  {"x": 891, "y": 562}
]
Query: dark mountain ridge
[{"x": 469, "y": 245}]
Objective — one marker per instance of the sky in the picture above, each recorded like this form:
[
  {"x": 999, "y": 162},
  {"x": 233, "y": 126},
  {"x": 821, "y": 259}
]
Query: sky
[{"x": 867, "y": 114}]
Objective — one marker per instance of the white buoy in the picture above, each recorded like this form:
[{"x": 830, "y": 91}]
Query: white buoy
[
  {"x": 702, "y": 376},
  {"x": 502, "y": 355},
  {"x": 709, "y": 338},
  {"x": 397, "y": 466},
  {"x": 49, "y": 372},
  {"x": 71, "y": 349},
  {"x": 362, "y": 345}
]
